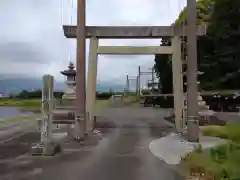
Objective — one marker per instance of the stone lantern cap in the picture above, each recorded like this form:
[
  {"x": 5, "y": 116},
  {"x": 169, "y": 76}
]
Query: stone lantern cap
[{"x": 70, "y": 72}]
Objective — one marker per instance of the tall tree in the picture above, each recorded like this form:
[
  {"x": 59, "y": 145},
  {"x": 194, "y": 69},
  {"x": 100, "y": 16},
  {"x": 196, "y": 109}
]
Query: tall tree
[
  {"x": 224, "y": 30},
  {"x": 218, "y": 50},
  {"x": 163, "y": 68}
]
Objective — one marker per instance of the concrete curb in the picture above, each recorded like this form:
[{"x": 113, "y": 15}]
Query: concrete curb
[{"x": 172, "y": 147}]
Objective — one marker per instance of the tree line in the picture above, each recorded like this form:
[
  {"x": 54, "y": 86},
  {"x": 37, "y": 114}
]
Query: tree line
[{"x": 218, "y": 50}]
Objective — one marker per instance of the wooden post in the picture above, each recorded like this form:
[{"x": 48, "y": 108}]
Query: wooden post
[
  {"x": 91, "y": 83},
  {"x": 80, "y": 104},
  {"x": 47, "y": 107},
  {"x": 177, "y": 83}
]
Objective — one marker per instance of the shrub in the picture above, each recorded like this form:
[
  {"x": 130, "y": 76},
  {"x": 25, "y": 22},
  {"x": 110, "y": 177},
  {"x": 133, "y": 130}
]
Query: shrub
[{"x": 222, "y": 162}]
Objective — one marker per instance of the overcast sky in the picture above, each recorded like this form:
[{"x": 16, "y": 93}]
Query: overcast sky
[{"x": 32, "y": 41}]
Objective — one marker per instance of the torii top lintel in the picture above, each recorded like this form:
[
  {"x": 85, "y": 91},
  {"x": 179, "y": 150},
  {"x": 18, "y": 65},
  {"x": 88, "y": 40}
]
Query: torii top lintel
[{"x": 128, "y": 32}]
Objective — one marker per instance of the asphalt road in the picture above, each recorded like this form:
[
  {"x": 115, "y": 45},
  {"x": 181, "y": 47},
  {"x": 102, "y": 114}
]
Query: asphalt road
[{"x": 121, "y": 154}]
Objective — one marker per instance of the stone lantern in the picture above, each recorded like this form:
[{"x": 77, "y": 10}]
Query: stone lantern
[{"x": 69, "y": 95}]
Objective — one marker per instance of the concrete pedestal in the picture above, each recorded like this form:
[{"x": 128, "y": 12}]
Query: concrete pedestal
[{"x": 49, "y": 149}]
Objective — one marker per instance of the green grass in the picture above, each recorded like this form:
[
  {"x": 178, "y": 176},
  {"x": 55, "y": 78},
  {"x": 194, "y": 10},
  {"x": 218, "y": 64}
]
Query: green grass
[
  {"x": 19, "y": 102},
  {"x": 223, "y": 160},
  {"x": 16, "y": 119}
]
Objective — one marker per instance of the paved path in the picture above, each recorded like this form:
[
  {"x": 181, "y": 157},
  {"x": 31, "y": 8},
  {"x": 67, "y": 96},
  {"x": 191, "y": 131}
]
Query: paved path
[{"x": 122, "y": 154}]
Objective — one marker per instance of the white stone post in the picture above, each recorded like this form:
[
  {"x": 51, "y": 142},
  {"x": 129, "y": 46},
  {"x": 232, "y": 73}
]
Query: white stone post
[
  {"x": 46, "y": 145},
  {"x": 47, "y": 107},
  {"x": 177, "y": 83},
  {"x": 91, "y": 82}
]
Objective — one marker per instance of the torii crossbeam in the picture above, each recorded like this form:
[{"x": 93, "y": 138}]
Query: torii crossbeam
[{"x": 130, "y": 32}]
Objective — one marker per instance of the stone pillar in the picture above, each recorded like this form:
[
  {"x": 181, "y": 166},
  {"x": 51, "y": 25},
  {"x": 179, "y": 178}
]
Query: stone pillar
[
  {"x": 192, "y": 102},
  {"x": 46, "y": 145},
  {"x": 177, "y": 83},
  {"x": 80, "y": 110},
  {"x": 47, "y": 107},
  {"x": 91, "y": 82}
]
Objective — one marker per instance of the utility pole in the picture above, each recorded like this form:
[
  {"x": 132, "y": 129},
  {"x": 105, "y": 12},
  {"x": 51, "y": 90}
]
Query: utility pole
[
  {"x": 127, "y": 84},
  {"x": 141, "y": 73},
  {"x": 192, "y": 101},
  {"x": 128, "y": 80},
  {"x": 133, "y": 79},
  {"x": 137, "y": 86},
  {"x": 152, "y": 70},
  {"x": 139, "y": 82}
]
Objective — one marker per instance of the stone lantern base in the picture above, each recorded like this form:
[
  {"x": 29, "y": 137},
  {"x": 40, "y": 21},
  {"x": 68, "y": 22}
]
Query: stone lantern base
[{"x": 68, "y": 99}]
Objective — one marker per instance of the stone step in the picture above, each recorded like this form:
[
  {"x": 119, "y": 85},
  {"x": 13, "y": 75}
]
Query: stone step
[
  {"x": 61, "y": 121},
  {"x": 63, "y": 116},
  {"x": 63, "y": 111},
  {"x": 65, "y": 108}
]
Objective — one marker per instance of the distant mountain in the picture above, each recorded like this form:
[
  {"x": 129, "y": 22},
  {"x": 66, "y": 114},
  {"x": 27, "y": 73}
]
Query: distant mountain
[{"x": 15, "y": 85}]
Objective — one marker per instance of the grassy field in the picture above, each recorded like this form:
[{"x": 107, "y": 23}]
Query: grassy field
[
  {"x": 20, "y": 102},
  {"x": 222, "y": 161},
  {"x": 34, "y": 102}
]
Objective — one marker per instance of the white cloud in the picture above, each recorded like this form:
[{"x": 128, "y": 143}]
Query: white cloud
[{"x": 37, "y": 24}]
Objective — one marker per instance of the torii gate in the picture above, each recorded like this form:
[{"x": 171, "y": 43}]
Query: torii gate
[{"x": 85, "y": 102}]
